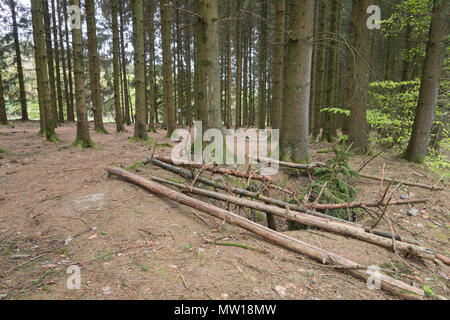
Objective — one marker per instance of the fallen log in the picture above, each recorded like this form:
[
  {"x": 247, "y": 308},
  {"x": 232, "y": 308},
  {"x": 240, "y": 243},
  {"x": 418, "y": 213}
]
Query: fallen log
[
  {"x": 387, "y": 283},
  {"x": 216, "y": 169},
  {"x": 322, "y": 223},
  {"x": 360, "y": 204},
  {"x": 411, "y": 184},
  {"x": 265, "y": 199},
  {"x": 311, "y": 165}
]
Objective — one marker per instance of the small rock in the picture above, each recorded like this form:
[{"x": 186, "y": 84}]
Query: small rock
[
  {"x": 106, "y": 290},
  {"x": 224, "y": 296},
  {"x": 403, "y": 196},
  {"x": 93, "y": 236},
  {"x": 3, "y": 296},
  {"x": 413, "y": 212}
]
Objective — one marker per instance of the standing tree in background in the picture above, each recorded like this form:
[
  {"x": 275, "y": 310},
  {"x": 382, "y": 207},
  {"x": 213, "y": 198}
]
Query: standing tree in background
[
  {"x": 297, "y": 75},
  {"x": 126, "y": 100},
  {"x": 116, "y": 66},
  {"x": 262, "y": 57},
  {"x": 280, "y": 25},
  {"x": 83, "y": 137},
  {"x": 50, "y": 64},
  {"x": 208, "y": 109},
  {"x": 57, "y": 69},
  {"x": 429, "y": 87},
  {"x": 153, "y": 116},
  {"x": 94, "y": 67},
  {"x": 356, "y": 94},
  {"x": 23, "y": 99},
  {"x": 239, "y": 65},
  {"x": 70, "y": 105},
  {"x": 229, "y": 69},
  {"x": 47, "y": 116},
  {"x": 168, "y": 100},
  {"x": 3, "y": 118},
  {"x": 188, "y": 87},
  {"x": 63, "y": 58},
  {"x": 140, "y": 125}
]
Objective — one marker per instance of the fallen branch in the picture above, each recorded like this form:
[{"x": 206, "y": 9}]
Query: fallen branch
[
  {"x": 351, "y": 205},
  {"x": 387, "y": 283},
  {"x": 265, "y": 199},
  {"x": 216, "y": 169},
  {"x": 308, "y": 166},
  {"x": 411, "y": 184},
  {"x": 302, "y": 218}
]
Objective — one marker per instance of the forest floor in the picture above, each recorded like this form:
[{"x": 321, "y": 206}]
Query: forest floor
[{"x": 59, "y": 208}]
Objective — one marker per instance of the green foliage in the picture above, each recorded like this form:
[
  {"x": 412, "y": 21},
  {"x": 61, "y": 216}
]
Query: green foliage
[
  {"x": 337, "y": 176},
  {"x": 335, "y": 110}
]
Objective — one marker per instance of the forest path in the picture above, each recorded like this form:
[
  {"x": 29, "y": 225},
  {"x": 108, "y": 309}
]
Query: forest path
[{"x": 58, "y": 208}]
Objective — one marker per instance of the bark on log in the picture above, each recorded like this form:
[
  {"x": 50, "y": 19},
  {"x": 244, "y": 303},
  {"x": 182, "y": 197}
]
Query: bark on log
[
  {"x": 387, "y": 283},
  {"x": 215, "y": 169},
  {"x": 411, "y": 184},
  {"x": 351, "y": 205},
  {"x": 265, "y": 199},
  {"x": 293, "y": 165},
  {"x": 322, "y": 223}
]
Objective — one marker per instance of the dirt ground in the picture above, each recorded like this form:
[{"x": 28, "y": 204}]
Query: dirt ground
[{"x": 58, "y": 208}]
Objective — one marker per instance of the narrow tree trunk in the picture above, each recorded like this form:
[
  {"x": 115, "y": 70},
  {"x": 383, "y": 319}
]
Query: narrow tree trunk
[
  {"x": 70, "y": 105},
  {"x": 116, "y": 67},
  {"x": 188, "y": 87},
  {"x": 330, "y": 133},
  {"x": 127, "y": 117},
  {"x": 168, "y": 98},
  {"x": 239, "y": 65},
  {"x": 280, "y": 30},
  {"x": 406, "y": 64},
  {"x": 229, "y": 69},
  {"x": 262, "y": 60},
  {"x": 140, "y": 128},
  {"x": 356, "y": 97},
  {"x": 245, "y": 84},
  {"x": 180, "y": 68},
  {"x": 94, "y": 67},
  {"x": 321, "y": 64},
  {"x": 23, "y": 99},
  {"x": 208, "y": 64},
  {"x": 151, "y": 68},
  {"x": 429, "y": 87},
  {"x": 57, "y": 68},
  {"x": 3, "y": 117},
  {"x": 63, "y": 57},
  {"x": 294, "y": 131},
  {"x": 83, "y": 138},
  {"x": 50, "y": 61},
  {"x": 40, "y": 53}
]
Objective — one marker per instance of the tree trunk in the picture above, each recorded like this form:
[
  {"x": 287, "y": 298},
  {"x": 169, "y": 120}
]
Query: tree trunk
[
  {"x": 356, "y": 97},
  {"x": 321, "y": 65},
  {"x": 46, "y": 113},
  {"x": 23, "y": 99},
  {"x": 208, "y": 64},
  {"x": 188, "y": 86},
  {"x": 180, "y": 68},
  {"x": 70, "y": 105},
  {"x": 262, "y": 60},
  {"x": 168, "y": 98},
  {"x": 296, "y": 95},
  {"x": 57, "y": 68},
  {"x": 127, "y": 117},
  {"x": 83, "y": 138},
  {"x": 63, "y": 58},
  {"x": 151, "y": 68},
  {"x": 429, "y": 87},
  {"x": 94, "y": 67},
  {"x": 140, "y": 128},
  {"x": 280, "y": 30},
  {"x": 245, "y": 84},
  {"x": 229, "y": 69},
  {"x": 50, "y": 61},
  {"x": 330, "y": 133},
  {"x": 3, "y": 118},
  {"x": 239, "y": 65},
  {"x": 116, "y": 67}
]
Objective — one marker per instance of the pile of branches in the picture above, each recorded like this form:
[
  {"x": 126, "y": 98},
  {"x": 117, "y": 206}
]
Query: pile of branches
[{"x": 302, "y": 212}]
